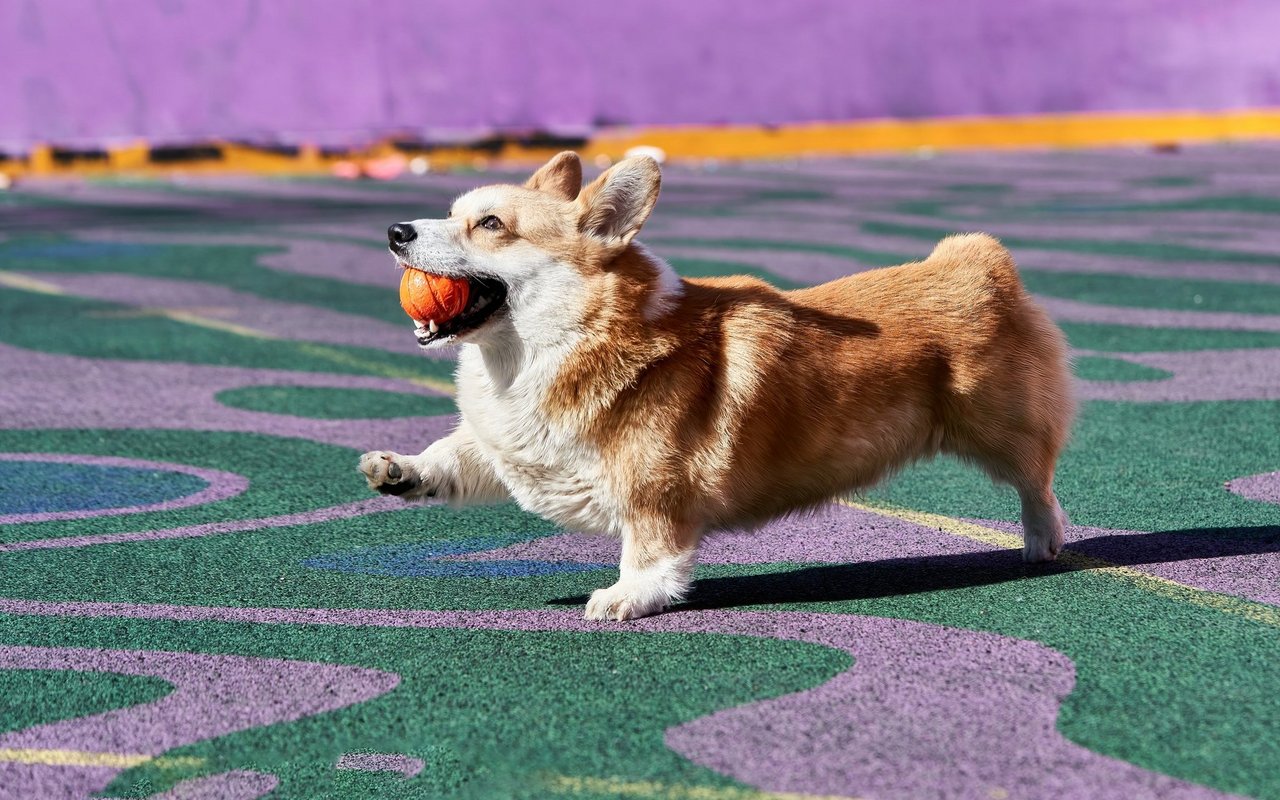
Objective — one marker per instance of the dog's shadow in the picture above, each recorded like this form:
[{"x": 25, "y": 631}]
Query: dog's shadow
[{"x": 902, "y": 576}]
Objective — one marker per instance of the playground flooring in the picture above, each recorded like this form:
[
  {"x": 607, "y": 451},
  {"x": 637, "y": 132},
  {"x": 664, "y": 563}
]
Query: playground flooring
[{"x": 199, "y": 597}]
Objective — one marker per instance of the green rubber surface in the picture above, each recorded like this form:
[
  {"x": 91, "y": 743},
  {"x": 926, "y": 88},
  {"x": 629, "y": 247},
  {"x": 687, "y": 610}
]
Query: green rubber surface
[{"x": 258, "y": 623}]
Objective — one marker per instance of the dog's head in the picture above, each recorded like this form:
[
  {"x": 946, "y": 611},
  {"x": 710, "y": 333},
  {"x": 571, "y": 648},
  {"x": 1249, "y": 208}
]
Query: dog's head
[{"x": 531, "y": 254}]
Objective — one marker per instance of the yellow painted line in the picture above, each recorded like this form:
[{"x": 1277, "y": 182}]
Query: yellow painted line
[
  {"x": 886, "y": 135},
  {"x": 968, "y": 530},
  {"x": 339, "y": 357},
  {"x": 16, "y": 281},
  {"x": 727, "y": 141},
  {"x": 185, "y": 317},
  {"x": 310, "y": 348},
  {"x": 214, "y": 324},
  {"x": 89, "y": 758},
  {"x": 446, "y": 387},
  {"x": 565, "y": 784},
  {"x": 1226, "y": 604},
  {"x": 318, "y": 350}
]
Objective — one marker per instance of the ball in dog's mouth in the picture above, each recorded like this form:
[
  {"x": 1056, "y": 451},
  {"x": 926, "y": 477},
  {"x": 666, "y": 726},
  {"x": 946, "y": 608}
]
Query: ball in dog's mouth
[
  {"x": 433, "y": 298},
  {"x": 444, "y": 307}
]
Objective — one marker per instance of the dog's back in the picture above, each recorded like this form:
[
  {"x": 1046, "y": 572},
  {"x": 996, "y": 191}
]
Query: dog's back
[{"x": 843, "y": 383}]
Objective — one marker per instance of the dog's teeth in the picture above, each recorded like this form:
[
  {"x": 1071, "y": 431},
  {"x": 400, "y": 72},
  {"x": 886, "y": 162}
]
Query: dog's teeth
[
  {"x": 431, "y": 326},
  {"x": 419, "y": 324}
]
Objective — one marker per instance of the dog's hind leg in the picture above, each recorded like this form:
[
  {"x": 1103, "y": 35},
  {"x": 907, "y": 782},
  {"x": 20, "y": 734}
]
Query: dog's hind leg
[
  {"x": 1024, "y": 460},
  {"x": 1014, "y": 422},
  {"x": 1016, "y": 435},
  {"x": 658, "y": 558},
  {"x": 1043, "y": 523}
]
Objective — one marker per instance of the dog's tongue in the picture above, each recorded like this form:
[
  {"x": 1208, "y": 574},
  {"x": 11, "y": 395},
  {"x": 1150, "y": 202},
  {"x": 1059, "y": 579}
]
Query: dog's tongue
[{"x": 433, "y": 298}]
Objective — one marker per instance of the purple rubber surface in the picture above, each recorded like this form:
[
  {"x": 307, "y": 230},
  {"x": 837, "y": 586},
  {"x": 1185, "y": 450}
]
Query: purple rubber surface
[
  {"x": 158, "y": 395},
  {"x": 239, "y": 784},
  {"x": 1264, "y": 488},
  {"x": 839, "y": 535},
  {"x": 213, "y": 695},
  {"x": 990, "y": 702},
  {"x": 358, "y": 508},
  {"x": 406, "y": 766},
  {"x": 878, "y": 730},
  {"x": 276, "y": 319}
]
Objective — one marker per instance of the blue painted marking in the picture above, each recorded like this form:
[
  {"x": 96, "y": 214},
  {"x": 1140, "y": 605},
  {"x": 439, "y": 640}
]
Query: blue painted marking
[
  {"x": 32, "y": 487},
  {"x": 421, "y": 560}
]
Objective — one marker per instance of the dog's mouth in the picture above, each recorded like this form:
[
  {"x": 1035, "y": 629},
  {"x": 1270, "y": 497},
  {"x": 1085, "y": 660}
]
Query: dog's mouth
[{"x": 487, "y": 296}]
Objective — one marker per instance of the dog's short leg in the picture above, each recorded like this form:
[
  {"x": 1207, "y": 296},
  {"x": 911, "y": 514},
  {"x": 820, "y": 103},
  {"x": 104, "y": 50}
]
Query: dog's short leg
[
  {"x": 656, "y": 570},
  {"x": 1026, "y": 463},
  {"x": 451, "y": 469},
  {"x": 1043, "y": 525}
]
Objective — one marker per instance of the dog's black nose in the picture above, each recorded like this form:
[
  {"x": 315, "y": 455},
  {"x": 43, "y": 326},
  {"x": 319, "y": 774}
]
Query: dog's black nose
[{"x": 401, "y": 234}]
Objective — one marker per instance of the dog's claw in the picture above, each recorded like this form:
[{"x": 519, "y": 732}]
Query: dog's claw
[
  {"x": 387, "y": 475},
  {"x": 396, "y": 489}
]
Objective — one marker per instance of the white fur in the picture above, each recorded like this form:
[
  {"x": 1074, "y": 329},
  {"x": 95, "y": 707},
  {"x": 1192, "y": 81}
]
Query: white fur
[
  {"x": 619, "y": 208},
  {"x": 438, "y": 247},
  {"x": 669, "y": 288},
  {"x": 505, "y": 444},
  {"x": 506, "y": 368},
  {"x": 1044, "y": 528},
  {"x": 549, "y": 471},
  {"x": 457, "y": 460},
  {"x": 641, "y": 592}
]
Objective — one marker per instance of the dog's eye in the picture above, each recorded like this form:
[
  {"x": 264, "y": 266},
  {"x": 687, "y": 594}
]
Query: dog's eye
[{"x": 491, "y": 223}]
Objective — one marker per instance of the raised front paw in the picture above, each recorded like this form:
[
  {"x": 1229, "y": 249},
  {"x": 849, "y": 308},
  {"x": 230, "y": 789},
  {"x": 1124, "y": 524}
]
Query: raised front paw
[{"x": 392, "y": 473}]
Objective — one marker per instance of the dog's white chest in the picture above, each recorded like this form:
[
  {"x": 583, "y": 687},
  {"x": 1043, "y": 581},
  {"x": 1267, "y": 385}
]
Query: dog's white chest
[{"x": 548, "y": 471}]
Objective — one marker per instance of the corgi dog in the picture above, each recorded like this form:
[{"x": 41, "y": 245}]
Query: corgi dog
[{"x": 604, "y": 392}]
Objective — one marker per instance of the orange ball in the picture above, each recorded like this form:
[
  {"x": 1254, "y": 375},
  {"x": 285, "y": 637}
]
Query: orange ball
[{"x": 432, "y": 297}]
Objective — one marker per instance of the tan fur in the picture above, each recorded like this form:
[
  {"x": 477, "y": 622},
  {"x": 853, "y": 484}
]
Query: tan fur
[
  {"x": 742, "y": 402},
  {"x": 746, "y": 401}
]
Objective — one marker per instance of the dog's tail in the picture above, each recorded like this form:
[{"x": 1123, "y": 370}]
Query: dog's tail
[
  {"x": 981, "y": 259},
  {"x": 998, "y": 318}
]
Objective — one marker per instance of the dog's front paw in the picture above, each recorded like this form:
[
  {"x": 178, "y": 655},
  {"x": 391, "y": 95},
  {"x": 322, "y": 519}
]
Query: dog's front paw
[
  {"x": 626, "y": 600},
  {"x": 392, "y": 473}
]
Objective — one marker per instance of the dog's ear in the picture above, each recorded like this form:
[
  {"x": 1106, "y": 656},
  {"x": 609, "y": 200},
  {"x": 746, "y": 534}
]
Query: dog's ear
[
  {"x": 616, "y": 205},
  {"x": 561, "y": 176}
]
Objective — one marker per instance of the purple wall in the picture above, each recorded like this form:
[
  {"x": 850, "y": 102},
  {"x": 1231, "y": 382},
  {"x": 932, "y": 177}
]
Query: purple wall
[{"x": 80, "y": 72}]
